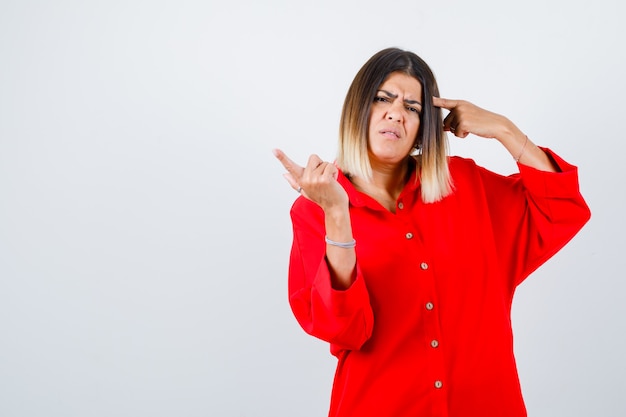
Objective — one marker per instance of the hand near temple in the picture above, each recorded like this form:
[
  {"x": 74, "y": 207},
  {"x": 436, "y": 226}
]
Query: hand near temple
[{"x": 465, "y": 118}]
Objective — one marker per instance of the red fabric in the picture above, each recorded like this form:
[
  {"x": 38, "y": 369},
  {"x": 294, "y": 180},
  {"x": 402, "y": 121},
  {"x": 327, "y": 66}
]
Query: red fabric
[{"x": 465, "y": 254}]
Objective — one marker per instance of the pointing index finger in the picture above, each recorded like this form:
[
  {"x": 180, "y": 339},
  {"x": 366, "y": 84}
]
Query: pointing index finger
[
  {"x": 445, "y": 103},
  {"x": 289, "y": 165}
]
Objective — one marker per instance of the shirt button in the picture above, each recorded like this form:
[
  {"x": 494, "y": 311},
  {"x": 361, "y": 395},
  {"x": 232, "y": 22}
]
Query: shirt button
[
  {"x": 429, "y": 306},
  {"x": 424, "y": 266},
  {"x": 400, "y": 205},
  {"x": 434, "y": 343},
  {"x": 438, "y": 384},
  {"x": 409, "y": 235}
]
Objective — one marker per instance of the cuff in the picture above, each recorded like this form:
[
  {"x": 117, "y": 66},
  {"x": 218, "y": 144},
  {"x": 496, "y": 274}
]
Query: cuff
[
  {"x": 341, "y": 302},
  {"x": 562, "y": 184}
]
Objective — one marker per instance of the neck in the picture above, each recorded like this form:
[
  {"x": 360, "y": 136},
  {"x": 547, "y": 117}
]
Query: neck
[{"x": 387, "y": 182}]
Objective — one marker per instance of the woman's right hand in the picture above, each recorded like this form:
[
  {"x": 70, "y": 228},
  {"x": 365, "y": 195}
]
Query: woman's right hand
[{"x": 317, "y": 181}]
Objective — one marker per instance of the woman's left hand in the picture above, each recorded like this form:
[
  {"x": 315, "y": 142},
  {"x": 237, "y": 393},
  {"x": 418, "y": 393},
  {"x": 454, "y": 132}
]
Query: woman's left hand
[{"x": 465, "y": 118}]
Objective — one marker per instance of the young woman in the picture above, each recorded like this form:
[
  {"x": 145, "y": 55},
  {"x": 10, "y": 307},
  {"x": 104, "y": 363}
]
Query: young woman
[{"x": 406, "y": 260}]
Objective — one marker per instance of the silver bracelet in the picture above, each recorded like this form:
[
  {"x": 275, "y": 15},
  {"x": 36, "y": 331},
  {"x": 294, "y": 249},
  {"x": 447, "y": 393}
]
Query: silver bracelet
[
  {"x": 346, "y": 245},
  {"x": 522, "y": 151}
]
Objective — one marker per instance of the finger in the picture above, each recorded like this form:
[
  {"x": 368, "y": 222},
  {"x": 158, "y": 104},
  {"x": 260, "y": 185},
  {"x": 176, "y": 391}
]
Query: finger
[
  {"x": 283, "y": 158},
  {"x": 312, "y": 171},
  {"x": 445, "y": 103},
  {"x": 291, "y": 180},
  {"x": 458, "y": 129},
  {"x": 331, "y": 170},
  {"x": 450, "y": 123},
  {"x": 314, "y": 162},
  {"x": 294, "y": 169}
]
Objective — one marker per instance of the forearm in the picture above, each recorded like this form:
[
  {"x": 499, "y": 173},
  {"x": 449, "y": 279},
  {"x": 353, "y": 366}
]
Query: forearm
[
  {"x": 341, "y": 261},
  {"x": 523, "y": 150}
]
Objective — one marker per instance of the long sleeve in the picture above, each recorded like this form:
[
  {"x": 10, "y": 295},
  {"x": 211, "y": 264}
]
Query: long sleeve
[
  {"x": 533, "y": 214},
  {"x": 342, "y": 318}
]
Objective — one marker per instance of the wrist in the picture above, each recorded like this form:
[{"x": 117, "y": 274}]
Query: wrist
[
  {"x": 509, "y": 133},
  {"x": 338, "y": 225},
  {"x": 344, "y": 245},
  {"x": 337, "y": 214}
]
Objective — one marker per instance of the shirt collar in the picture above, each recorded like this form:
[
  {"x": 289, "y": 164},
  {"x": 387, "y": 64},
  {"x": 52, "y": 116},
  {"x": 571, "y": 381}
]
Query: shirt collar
[{"x": 359, "y": 199}]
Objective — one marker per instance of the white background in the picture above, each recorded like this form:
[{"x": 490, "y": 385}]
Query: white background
[{"x": 144, "y": 226}]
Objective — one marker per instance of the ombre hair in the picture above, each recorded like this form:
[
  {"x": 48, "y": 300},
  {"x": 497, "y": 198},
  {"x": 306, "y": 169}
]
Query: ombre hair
[{"x": 431, "y": 144}]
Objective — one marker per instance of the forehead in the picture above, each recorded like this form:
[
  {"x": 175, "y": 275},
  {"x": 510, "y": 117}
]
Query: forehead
[{"x": 401, "y": 83}]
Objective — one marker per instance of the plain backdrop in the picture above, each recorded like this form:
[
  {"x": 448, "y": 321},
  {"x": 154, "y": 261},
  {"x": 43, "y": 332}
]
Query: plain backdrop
[{"x": 144, "y": 223}]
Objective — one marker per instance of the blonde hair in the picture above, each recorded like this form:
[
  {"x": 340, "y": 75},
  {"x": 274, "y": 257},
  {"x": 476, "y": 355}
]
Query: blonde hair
[{"x": 431, "y": 144}]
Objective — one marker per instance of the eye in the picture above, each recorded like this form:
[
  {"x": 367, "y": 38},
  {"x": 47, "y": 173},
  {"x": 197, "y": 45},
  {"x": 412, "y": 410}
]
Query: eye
[
  {"x": 381, "y": 99},
  {"x": 413, "y": 109}
]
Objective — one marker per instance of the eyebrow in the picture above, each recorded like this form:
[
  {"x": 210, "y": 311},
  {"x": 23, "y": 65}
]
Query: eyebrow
[{"x": 390, "y": 94}]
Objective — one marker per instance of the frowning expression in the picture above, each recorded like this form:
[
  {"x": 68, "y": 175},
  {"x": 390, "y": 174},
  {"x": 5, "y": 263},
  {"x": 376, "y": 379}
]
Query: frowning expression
[{"x": 394, "y": 119}]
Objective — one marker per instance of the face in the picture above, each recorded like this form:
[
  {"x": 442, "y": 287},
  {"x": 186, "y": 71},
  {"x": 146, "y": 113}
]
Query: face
[{"x": 394, "y": 120}]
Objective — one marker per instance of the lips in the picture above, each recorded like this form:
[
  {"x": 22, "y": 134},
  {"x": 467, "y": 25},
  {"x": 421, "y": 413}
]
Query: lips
[{"x": 390, "y": 133}]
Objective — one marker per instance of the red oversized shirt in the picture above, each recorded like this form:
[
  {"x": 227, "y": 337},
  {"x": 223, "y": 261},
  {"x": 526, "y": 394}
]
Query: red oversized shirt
[{"x": 425, "y": 328}]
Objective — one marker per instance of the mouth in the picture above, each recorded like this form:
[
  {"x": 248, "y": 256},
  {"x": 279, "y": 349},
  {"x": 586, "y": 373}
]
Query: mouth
[{"x": 390, "y": 133}]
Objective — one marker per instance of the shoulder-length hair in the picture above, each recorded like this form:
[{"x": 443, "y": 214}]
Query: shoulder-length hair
[{"x": 431, "y": 144}]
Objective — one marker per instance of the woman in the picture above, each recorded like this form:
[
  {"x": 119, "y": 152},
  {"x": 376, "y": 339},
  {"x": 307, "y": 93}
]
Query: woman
[{"x": 406, "y": 260}]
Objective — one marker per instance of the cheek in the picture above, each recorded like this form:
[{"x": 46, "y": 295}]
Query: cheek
[
  {"x": 376, "y": 114},
  {"x": 415, "y": 127}
]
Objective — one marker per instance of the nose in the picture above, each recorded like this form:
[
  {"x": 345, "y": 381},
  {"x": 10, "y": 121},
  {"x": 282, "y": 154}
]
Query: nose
[{"x": 394, "y": 113}]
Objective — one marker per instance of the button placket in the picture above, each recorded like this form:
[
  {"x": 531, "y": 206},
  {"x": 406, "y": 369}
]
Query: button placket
[{"x": 425, "y": 275}]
